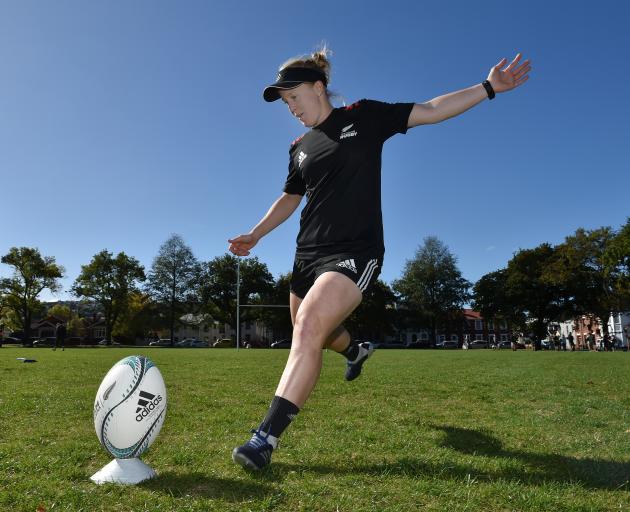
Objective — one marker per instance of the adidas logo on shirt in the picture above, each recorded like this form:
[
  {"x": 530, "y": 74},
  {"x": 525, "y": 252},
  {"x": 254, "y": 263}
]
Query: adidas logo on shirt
[
  {"x": 345, "y": 132},
  {"x": 301, "y": 157},
  {"x": 349, "y": 264}
]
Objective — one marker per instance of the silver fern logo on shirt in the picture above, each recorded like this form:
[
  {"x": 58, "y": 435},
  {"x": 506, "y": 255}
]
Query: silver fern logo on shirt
[
  {"x": 301, "y": 157},
  {"x": 347, "y": 132}
]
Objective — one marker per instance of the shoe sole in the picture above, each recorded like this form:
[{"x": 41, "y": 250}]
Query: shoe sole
[
  {"x": 370, "y": 352},
  {"x": 243, "y": 460}
]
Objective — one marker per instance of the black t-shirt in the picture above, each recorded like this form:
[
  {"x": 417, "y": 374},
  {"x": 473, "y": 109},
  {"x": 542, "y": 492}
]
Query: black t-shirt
[{"x": 337, "y": 165}]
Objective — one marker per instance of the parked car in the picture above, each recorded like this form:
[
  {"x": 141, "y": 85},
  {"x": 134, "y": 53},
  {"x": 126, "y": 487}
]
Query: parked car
[
  {"x": 11, "y": 341},
  {"x": 45, "y": 342},
  {"x": 29, "y": 342},
  {"x": 508, "y": 345},
  {"x": 475, "y": 344},
  {"x": 192, "y": 343},
  {"x": 391, "y": 345},
  {"x": 105, "y": 343},
  {"x": 185, "y": 342},
  {"x": 419, "y": 344},
  {"x": 255, "y": 344},
  {"x": 546, "y": 344},
  {"x": 74, "y": 341},
  {"x": 224, "y": 343},
  {"x": 281, "y": 344},
  {"x": 163, "y": 342},
  {"x": 447, "y": 344}
]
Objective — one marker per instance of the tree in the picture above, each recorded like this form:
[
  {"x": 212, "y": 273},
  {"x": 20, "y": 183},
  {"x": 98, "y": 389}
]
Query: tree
[
  {"x": 60, "y": 311},
  {"x": 524, "y": 293},
  {"x": 174, "y": 278},
  {"x": 532, "y": 289},
  {"x": 493, "y": 299},
  {"x": 32, "y": 274},
  {"x": 109, "y": 282},
  {"x": 278, "y": 319},
  {"x": 582, "y": 271},
  {"x": 616, "y": 261},
  {"x": 141, "y": 317},
  {"x": 218, "y": 288},
  {"x": 376, "y": 315},
  {"x": 432, "y": 289}
]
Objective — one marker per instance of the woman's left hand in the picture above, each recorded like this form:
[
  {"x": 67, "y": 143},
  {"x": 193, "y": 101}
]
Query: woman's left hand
[{"x": 507, "y": 79}]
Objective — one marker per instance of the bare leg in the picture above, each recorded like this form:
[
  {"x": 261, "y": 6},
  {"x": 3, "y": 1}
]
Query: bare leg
[
  {"x": 327, "y": 304},
  {"x": 338, "y": 340}
]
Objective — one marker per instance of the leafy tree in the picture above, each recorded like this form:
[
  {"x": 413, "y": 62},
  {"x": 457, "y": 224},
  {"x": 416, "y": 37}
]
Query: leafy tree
[
  {"x": 218, "y": 288},
  {"x": 141, "y": 317},
  {"x": 109, "y": 282},
  {"x": 587, "y": 274},
  {"x": 60, "y": 311},
  {"x": 76, "y": 325},
  {"x": 616, "y": 259},
  {"x": 493, "y": 299},
  {"x": 277, "y": 319},
  {"x": 532, "y": 289},
  {"x": 174, "y": 278},
  {"x": 376, "y": 315},
  {"x": 432, "y": 289},
  {"x": 582, "y": 271},
  {"x": 32, "y": 273}
]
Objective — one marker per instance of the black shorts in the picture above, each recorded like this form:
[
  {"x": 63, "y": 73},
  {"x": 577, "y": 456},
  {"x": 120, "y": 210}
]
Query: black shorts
[{"x": 363, "y": 269}]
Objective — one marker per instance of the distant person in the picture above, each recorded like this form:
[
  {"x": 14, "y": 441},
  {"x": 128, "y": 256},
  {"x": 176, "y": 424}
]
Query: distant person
[
  {"x": 556, "y": 342},
  {"x": 340, "y": 249},
  {"x": 571, "y": 342},
  {"x": 60, "y": 336}
]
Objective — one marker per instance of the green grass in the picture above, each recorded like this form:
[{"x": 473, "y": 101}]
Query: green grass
[{"x": 420, "y": 430}]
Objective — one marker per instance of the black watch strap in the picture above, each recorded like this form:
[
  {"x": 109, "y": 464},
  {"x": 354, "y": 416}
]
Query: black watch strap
[{"x": 488, "y": 87}]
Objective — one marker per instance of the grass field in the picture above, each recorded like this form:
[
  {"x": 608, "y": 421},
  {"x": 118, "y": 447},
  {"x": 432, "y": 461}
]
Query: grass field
[{"x": 420, "y": 430}]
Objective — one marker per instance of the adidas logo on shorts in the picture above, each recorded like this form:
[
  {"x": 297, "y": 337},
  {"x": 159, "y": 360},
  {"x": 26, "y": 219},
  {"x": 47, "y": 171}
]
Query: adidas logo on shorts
[{"x": 349, "y": 264}]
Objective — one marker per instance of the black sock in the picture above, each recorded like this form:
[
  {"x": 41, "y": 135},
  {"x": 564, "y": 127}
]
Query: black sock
[
  {"x": 280, "y": 414},
  {"x": 352, "y": 351}
]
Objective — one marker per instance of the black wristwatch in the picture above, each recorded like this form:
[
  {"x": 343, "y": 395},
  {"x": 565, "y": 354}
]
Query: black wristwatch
[{"x": 488, "y": 87}]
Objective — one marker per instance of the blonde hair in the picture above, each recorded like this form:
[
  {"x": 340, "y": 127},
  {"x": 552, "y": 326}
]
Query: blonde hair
[{"x": 317, "y": 60}]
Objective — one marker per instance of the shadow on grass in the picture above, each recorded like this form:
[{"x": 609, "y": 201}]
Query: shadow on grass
[
  {"x": 200, "y": 484},
  {"x": 535, "y": 468},
  {"x": 591, "y": 473}
]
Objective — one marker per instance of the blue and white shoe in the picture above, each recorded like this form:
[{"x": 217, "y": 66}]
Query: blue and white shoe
[
  {"x": 256, "y": 453},
  {"x": 354, "y": 367}
]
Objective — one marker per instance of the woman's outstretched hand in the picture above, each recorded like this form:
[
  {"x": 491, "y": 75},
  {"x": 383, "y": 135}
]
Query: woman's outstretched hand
[
  {"x": 241, "y": 245},
  {"x": 512, "y": 76}
]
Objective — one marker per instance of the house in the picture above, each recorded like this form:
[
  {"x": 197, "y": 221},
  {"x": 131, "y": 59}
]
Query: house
[
  {"x": 203, "y": 327},
  {"x": 618, "y": 327},
  {"x": 45, "y": 327},
  {"x": 472, "y": 327},
  {"x": 475, "y": 327}
]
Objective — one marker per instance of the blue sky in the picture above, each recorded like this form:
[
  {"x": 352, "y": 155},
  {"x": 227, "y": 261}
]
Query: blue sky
[{"x": 124, "y": 122}]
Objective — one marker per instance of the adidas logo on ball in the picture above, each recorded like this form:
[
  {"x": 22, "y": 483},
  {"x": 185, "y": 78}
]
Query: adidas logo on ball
[{"x": 146, "y": 403}]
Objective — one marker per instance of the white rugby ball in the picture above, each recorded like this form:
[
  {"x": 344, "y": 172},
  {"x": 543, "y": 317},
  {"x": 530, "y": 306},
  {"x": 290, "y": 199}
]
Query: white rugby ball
[{"x": 130, "y": 407}]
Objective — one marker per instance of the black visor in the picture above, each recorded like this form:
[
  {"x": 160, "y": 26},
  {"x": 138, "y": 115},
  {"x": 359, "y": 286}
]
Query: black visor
[{"x": 290, "y": 78}]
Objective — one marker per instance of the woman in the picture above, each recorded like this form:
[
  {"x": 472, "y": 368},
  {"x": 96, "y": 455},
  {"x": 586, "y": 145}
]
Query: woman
[{"x": 340, "y": 249}]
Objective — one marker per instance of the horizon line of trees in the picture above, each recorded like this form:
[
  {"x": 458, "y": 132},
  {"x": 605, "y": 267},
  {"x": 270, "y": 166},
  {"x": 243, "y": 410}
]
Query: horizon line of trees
[{"x": 588, "y": 273}]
